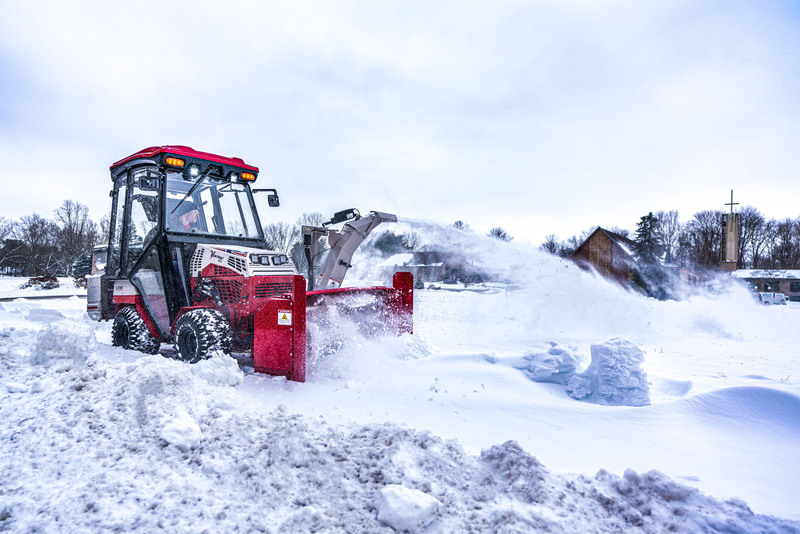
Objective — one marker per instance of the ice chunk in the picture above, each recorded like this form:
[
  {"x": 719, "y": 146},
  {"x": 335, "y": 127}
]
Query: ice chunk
[
  {"x": 614, "y": 377},
  {"x": 405, "y": 509}
]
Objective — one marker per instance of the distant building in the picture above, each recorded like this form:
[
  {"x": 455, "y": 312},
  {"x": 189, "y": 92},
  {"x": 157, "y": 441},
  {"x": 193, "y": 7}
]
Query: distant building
[
  {"x": 610, "y": 254},
  {"x": 786, "y": 281}
]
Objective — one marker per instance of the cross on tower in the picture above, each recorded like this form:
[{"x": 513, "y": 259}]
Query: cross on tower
[{"x": 731, "y": 203}]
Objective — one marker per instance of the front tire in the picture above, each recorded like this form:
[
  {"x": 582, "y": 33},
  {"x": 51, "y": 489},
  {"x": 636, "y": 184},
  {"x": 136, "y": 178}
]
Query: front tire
[
  {"x": 198, "y": 333},
  {"x": 130, "y": 332}
]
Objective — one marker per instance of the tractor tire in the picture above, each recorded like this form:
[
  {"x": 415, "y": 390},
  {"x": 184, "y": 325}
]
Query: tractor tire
[
  {"x": 198, "y": 333},
  {"x": 130, "y": 332}
]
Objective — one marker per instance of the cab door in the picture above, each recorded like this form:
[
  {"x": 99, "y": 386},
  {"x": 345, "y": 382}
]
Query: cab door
[{"x": 142, "y": 245}]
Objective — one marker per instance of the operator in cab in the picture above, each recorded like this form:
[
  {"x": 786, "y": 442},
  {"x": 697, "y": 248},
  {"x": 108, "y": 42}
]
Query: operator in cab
[{"x": 185, "y": 217}]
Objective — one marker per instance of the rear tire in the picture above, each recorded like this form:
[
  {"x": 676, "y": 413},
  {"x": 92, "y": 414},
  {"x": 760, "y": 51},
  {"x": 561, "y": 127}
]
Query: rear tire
[
  {"x": 130, "y": 332},
  {"x": 198, "y": 333}
]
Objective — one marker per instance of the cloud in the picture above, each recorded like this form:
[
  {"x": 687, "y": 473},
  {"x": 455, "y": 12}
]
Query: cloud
[{"x": 548, "y": 116}]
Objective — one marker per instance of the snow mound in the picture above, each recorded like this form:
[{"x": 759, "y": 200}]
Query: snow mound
[
  {"x": 614, "y": 377},
  {"x": 64, "y": 340},
  {"x": 405, "y": 509},
  {"x": 557, "y": 364}
]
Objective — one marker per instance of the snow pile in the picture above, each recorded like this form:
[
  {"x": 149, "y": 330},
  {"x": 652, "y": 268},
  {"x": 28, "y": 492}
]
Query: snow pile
[
  {"x": 405, "y": 509},
  {"x": 614, "y": 377},
  {"x": 148, "y": 445}
]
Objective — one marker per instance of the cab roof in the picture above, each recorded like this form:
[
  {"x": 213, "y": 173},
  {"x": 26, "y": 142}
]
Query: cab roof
[{"x": 185, "y": 151}]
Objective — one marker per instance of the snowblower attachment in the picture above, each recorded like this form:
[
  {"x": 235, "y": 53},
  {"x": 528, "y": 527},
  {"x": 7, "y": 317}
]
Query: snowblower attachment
[{"x": 373, "y": 310}]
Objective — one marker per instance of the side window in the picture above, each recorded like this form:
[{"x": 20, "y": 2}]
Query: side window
[
  {"x": 118, "y": 216},
  {"x": 794, "y": 287},
  {"x": 144, "y": 219}
]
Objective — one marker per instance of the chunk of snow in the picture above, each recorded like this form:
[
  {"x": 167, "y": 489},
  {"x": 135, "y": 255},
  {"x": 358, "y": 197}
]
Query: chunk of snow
[
  {"x": 182, "y": 431},
  {"x": 405, "y": 509},
  {"x": 219, "y": 370},
  {"x": 413, "y": 347},
  {"x": 557, "y": 364},
  {"x": 614, "y": 377},
  {"x": 64, "y": 340}
]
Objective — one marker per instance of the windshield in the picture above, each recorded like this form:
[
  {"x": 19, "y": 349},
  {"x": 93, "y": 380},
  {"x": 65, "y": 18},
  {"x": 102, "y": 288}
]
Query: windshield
[{"x": 203, "y": 205}]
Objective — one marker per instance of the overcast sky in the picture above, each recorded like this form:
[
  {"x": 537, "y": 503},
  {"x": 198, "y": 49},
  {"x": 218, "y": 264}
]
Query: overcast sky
[{"x": 540, "y": 117}]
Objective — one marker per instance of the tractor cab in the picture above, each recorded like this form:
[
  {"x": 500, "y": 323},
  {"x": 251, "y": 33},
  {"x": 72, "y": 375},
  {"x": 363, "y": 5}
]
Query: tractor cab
[{"x": 165, "y": 201}]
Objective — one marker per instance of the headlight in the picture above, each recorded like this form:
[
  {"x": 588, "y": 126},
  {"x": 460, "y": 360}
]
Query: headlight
[
  {"x": 259, "y": 259},
  {"x": 280, "y": 260}
]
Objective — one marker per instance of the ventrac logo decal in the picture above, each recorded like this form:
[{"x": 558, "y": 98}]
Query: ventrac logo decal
[{"x": 218, "y": 257}]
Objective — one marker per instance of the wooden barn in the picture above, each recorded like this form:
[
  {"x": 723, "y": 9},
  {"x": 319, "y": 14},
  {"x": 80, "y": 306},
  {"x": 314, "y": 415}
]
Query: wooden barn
[{"x": 610, "y": 254}]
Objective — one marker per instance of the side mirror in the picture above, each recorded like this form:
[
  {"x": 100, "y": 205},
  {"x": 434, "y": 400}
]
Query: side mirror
[
  {"x": 272, "y": 199},
  {"x": 148, "y": 184}
]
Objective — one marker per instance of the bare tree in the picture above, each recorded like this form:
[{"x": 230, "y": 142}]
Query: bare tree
[
  {"x": 104, "y": 228},
  {"x": 624, "y": 232},
  {"x": 313, "y": 218},
  {"x": 297, "y": 250},
  {"x": 12, "y": 250},
  {"x": 762, "y": 243},
  {"x": 281, "y": 236},
  {"x": 412, "y": 241},
  {"x": 77, "y": 233},
  {"x": 550, "y": 245},
  {"x": 39, "y": 236},
  {"x": 785, "y": 253},
  {"x": 7, "y": 228},
  {"x": 670, "y": 231},
  {"x": 705, "y": 235}
]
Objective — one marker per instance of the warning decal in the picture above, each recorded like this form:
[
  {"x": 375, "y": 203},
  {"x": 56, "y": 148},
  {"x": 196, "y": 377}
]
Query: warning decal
[{"x": 284, "y": 317}]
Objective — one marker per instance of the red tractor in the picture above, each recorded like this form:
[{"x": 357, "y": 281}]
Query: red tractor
[{"x": 187, "y": 263}]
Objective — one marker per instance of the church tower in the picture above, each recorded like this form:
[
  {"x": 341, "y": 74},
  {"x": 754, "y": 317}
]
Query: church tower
[{"x": 730, "y": 227}]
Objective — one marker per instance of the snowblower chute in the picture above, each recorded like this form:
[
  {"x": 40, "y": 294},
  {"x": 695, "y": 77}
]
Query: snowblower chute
[{"x": 187, "y": 263}]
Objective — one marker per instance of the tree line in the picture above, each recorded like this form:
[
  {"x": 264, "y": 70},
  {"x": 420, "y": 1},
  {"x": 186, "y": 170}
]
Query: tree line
[
  {"x": 36, "y": 245},
  {"x": 699, "y": 243}
]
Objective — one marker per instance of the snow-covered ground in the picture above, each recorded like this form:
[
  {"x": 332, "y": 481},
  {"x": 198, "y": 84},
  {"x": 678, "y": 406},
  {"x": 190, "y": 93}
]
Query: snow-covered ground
[{"x": 471, "y": 424}]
